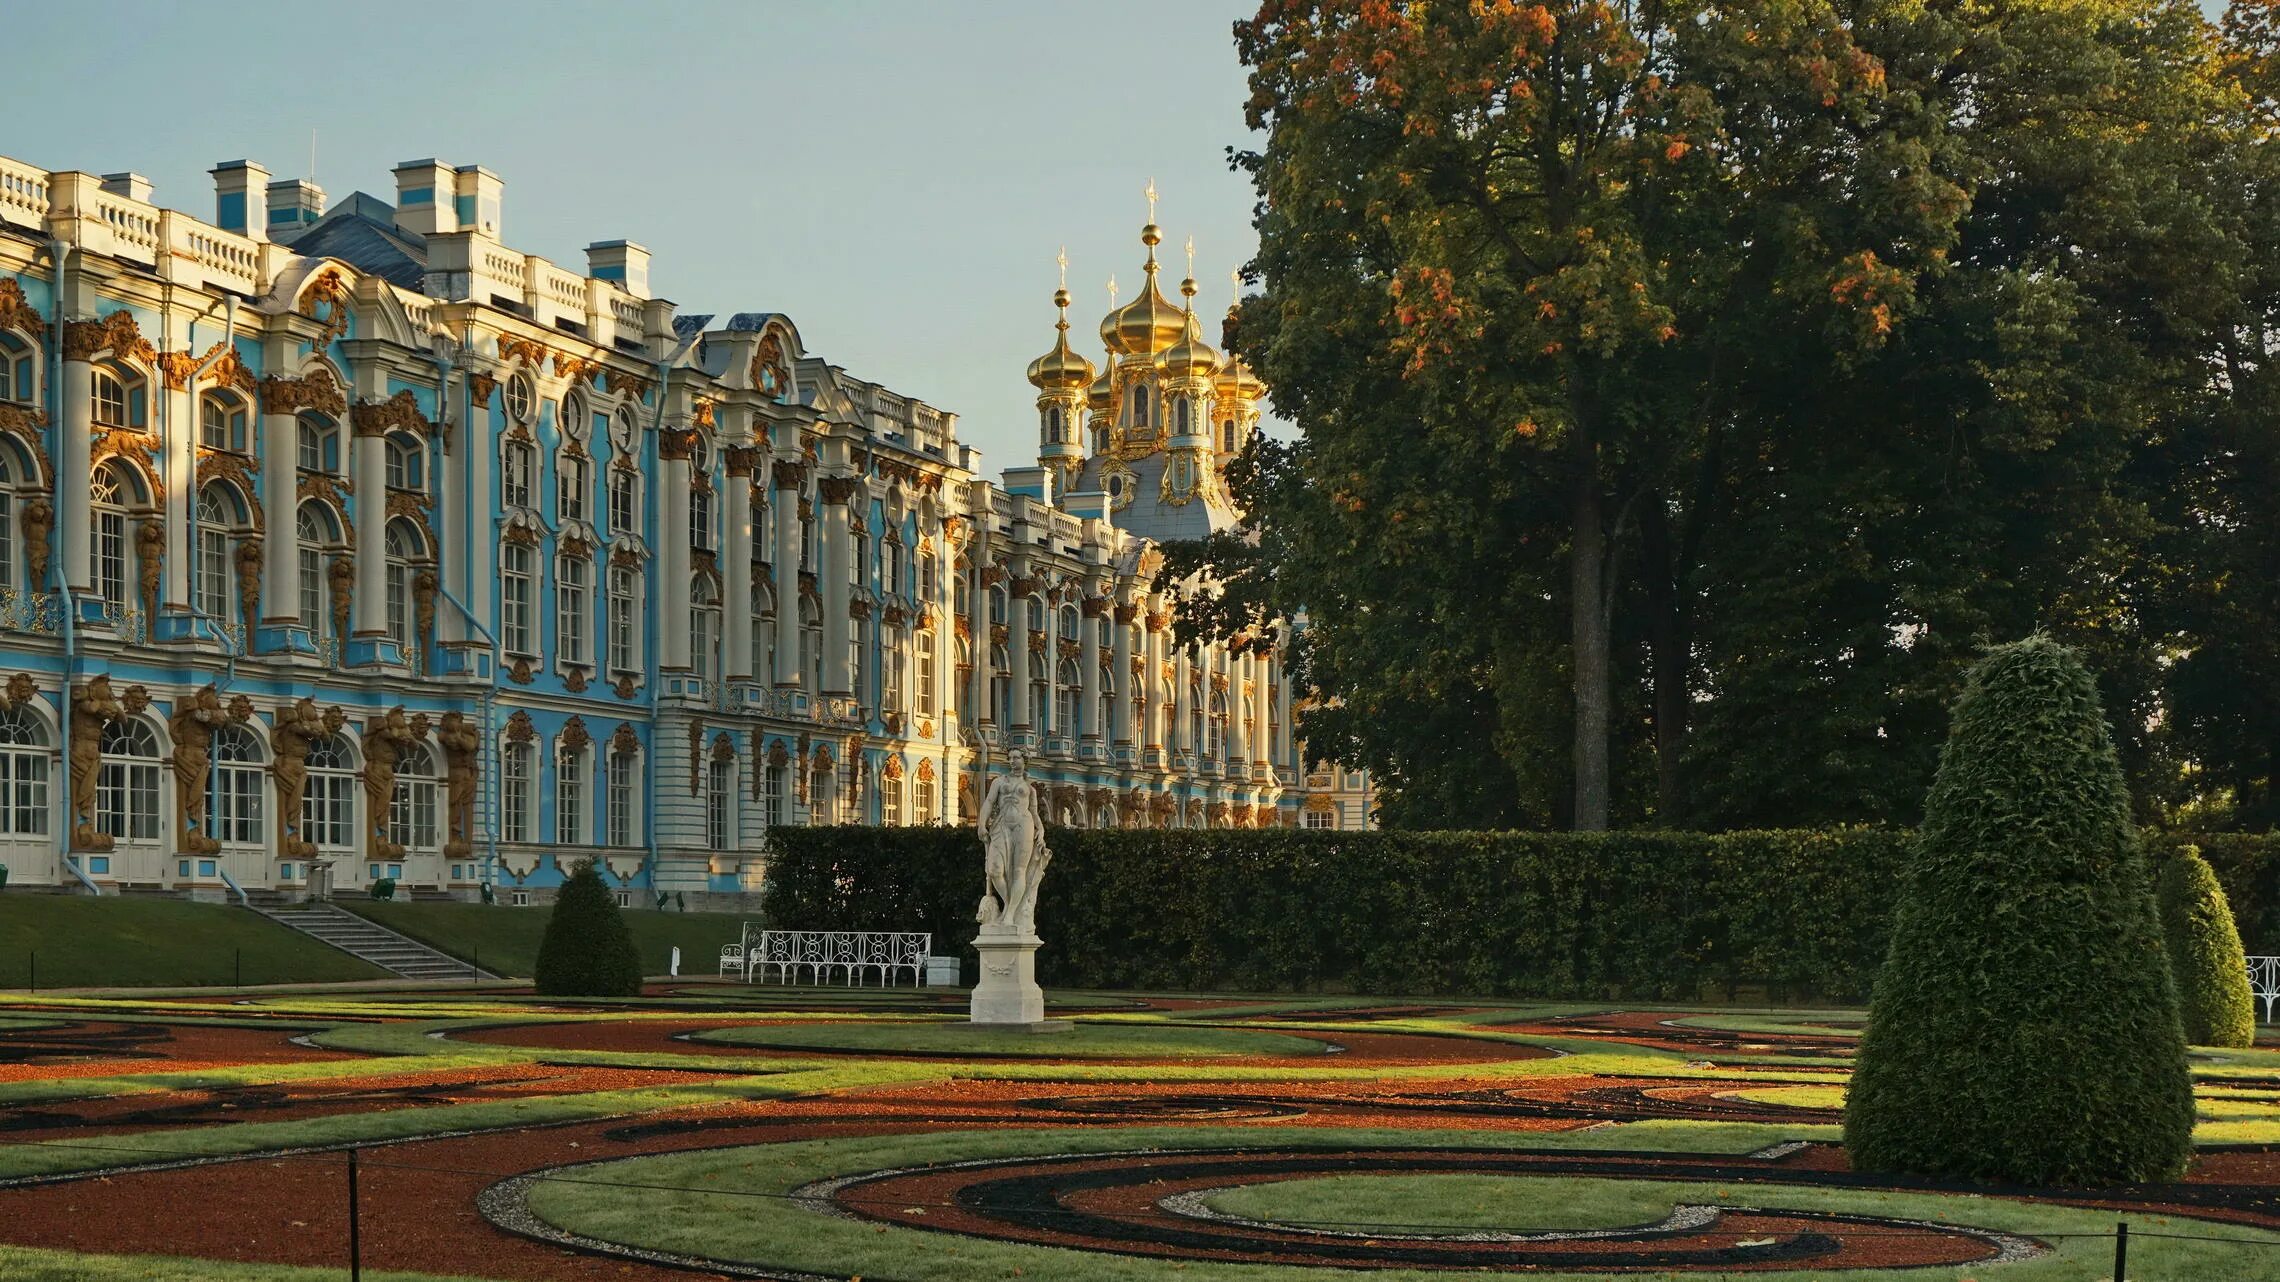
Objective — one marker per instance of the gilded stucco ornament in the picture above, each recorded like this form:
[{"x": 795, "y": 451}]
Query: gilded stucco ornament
[
  {"x": 315, "y": 390},
  {"x": 325, "y": 300},
  {"x": 400, "y": 412},
  {"x": 462, "y": 747},
  {"x": 340, "y": 578},
  {"x": 16, "y": 312},
  {"x": 386, "y": 738},
  {"x": 248, "y": 558},
  {"x": 116, "y": 333},
  {"x": 295, "y": 729},
  {"x": 196, "y": 716}
]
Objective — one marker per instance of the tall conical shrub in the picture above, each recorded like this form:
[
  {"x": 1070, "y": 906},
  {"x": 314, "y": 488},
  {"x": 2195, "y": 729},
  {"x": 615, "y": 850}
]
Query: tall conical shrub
[
  {"x": 2205, "y": 956},
  {"x": 587, "y": 951},
  {"x": 2024, "y": 1027}
]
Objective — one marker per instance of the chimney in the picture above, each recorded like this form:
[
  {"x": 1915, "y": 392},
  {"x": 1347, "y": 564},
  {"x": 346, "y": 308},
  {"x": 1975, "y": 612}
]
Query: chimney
[
  {"x": 130, "y": 185},
  {"x": 241, "y": 198},
  {"x": 622, "y": 263},
  {"x": 295, "y": 204},
  {"x": 479, "y": 190},
  {"x": 423, "y": 198}
]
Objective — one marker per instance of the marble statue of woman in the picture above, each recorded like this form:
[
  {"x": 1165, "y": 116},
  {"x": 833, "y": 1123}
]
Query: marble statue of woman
[{"x": 1014, "y": 856}]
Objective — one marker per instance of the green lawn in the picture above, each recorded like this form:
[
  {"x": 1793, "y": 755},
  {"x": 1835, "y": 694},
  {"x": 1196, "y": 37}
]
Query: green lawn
[
  {"x": 136, "y": 941},
  {"x": 506, "y": 939}
]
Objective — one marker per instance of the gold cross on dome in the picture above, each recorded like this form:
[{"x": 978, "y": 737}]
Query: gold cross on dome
[
  {"x": 1191, "y": 255},
  {"x": 1063, "y": 260},
  {"x": 1151, "y": 200},
  {"x": 1112, "y": 293}
]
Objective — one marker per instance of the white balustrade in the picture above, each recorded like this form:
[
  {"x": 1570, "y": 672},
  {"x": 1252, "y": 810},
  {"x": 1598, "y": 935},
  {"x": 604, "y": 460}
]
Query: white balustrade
[
  {"x": 2264, "y": 982},
  {"x": 842, "y": 956},
  {"x": 23, "y": 194}
]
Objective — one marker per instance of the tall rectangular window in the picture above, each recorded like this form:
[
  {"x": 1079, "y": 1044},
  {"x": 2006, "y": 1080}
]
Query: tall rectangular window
[
  {"x": 570, "y": 799},
  {"x": 621, "y": 798},
  {"x": 515, "y": 477},
  {"x": 573, "y": 602},
  {"x": 570, "y": 489},
  {"x": 517, "y": 591},
  {"x": 625, "y": 502},
  {"x": 778, "y": 781},
  {"x": 514, "y": 793},
  {"x": 111, "y": 558},
  {"x": 214, "y": 573},
  {"x": 624, "y": 590},
  {"x": 720, "y": 788}
]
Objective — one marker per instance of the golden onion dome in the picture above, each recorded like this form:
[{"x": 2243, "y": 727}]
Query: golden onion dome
[
  {"x": 1101, "y": 396},
  {"x": 1237, "y": 382},
  {"x": 1149, "y": 323},
  {"x": 1190, "y": 356},
  {"x": 1061, "y": 368}
]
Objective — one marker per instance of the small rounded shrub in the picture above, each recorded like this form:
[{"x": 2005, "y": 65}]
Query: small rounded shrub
[
  {"x": 2205, "y": 955},
  {"x": 2024, "y": 1027},
  {"x": 587, "y": 950}
]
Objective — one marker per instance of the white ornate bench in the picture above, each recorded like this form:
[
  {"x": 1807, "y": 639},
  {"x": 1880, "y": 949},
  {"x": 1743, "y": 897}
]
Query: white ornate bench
[
  {"x": 2264, "y": 982},
  {"x": 836, "y": 956}
]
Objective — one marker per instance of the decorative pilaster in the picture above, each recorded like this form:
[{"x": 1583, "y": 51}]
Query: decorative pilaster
[
  {"x": 1095, "y": 609},
  {"x": 836, "y": 570},
  {"x": 1025, "y": 719},
  {"x": 787, "y": 477},
  {"x": 673, "y": 565},
  {"x": 1183, "y": 743},
  {"x": 736, "y": 632},
  {"x": 1119, "y": 728},
  {"x": 369, "y": 642},
  {"x": 76, "y": 460}
]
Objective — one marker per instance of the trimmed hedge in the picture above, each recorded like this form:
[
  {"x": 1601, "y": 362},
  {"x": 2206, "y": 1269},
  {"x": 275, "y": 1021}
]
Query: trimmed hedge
[
  {"x": 587, "y": 950},
  {"x": 1789, "y": 915},
  {"x": 2213, "y": 998},
  {"x": 2025, "y": 1027}
]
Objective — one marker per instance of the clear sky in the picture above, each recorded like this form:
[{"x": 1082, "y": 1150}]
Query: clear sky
[{"x": 895, "y": 175}]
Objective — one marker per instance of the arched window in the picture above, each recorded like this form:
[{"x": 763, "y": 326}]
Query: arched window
[
  {"x": 1170, "y": 714},
  {"x": 224, "y": 421},
  {"x": 572, "y": 479},
  {"x": 962, "y": 588},
  {"x": 1136, "y": 406},
  {"x": 926, "y": 672},
  {"x": 517, "y": 466},
  {"x": 720, "y": 803},
  {"x": 407, "y": 464},
  {"x": 811, "y": 644},
  {"x": 126, "y": 785},
  {"x": 891, "y": 800},
  {"x": 1214, "y": 746},
  {"x": 121, "y": 399},
  {"x": 1195, "y": 717},
  {"x": 928, "y": 570},
  {"x": 894, "y": 582},
  {"x": 318, "y": 532},
  {"x": 1070, "y": 624},
  {"x": 114, "y": 497},
  {"x": 570, "y": 796},
  {"x": 1001, "y": 687},
  {"x": 412, "y": 805},
  {"x": 922, "y": 799},
  {"x": 763, "y": 531},
  {"x": 318, "y": 447},
  {"x": 625, "y": 612},
  {"x": 24, "y": 769},
  {"x": 404, "y": 547},
  {"x": 573, "y": 608},
  {"x": 8, "y": 523},
  {"x": 238, "y": 787},
  {"x": 702, "y": 527},
  {"x": 1065, "y": 722},
  {"x": 763, "y": 630},
  {"x": 997, "y": 606},
  {"x": 776, "y": 785},
  {"x": 328, "y": 799},
  {"x": 19, "y": 370},
  {"x": 221, "y": 517},
  {"x": 1034, "y": 609},
  {"x": 515, "y": 793},
  {"x": 625, "y": 501},
  {"x": 821, "y": 787},
  {"x": 1040, "y": 699},
  {"x": 1180, "y": 416},
  {"x": 624, "y": 815},
  {"x": 704, "y": 628},
  {"x": 1227, "y": 436},
  {"x": 1053, "y": 428}
]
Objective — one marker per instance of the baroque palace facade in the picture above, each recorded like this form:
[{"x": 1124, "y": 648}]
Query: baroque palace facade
[{"x": 348, "y": 544}]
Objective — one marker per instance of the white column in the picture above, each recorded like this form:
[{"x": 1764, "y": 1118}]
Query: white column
[
  {"x": 1119, "y": 729},
  {"x": 673, "y": 554},
  {"x": 836, "y": 570},
  {"x": 786, "y": 476},
  {"x": 280, "y": 511},
  {"x": 1286, "y": 736},
  {"x": 1025, "y": 719},
  {"x": 1153, "y": 644},
  {"x": 736, "y": 632},
  {"x": 1096, "y": 611},
  {"x": 371, "y": 475},
  {"x": 978, "y": 631},
  {"x": 178, "y": 454},
  {"x": 1237, "y": 749},
  {"x": 76, "y": 465},
  {"x": 1183, "y": 713}
]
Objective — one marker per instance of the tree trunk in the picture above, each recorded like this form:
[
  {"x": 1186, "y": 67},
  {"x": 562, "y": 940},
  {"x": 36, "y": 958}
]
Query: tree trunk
[
  {"x": 1587, "y": 592},
  {"x": 1669, "y": 645}
]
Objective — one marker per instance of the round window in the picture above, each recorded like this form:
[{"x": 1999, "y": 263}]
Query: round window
[
  {"x": 519, "y": 398},
  {"x": 623, "y": 430}
]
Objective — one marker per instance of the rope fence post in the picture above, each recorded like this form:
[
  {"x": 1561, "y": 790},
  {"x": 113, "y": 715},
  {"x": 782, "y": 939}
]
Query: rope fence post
[{"x": 355, "y": 1243}]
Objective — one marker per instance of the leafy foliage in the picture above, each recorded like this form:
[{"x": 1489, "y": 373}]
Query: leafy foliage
[
  {"x": 587, "y": 951},
  {"x": 2024, "y": 1028},
  {"x": 1665, "y": 371},
  {"x": 2204, "y": 953}
]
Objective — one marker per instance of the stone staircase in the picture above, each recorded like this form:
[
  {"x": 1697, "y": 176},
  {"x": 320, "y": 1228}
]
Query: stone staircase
[{"x": 374, "y": 943}]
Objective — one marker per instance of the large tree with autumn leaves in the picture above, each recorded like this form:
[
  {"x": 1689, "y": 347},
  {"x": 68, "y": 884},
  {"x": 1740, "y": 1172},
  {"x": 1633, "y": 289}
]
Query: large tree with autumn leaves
[{"x": 1686, "y": 389}]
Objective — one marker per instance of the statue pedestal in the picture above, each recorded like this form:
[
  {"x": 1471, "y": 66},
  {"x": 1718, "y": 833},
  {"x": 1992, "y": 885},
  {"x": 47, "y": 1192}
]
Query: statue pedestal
[{"x": 1008, "y": 996}]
